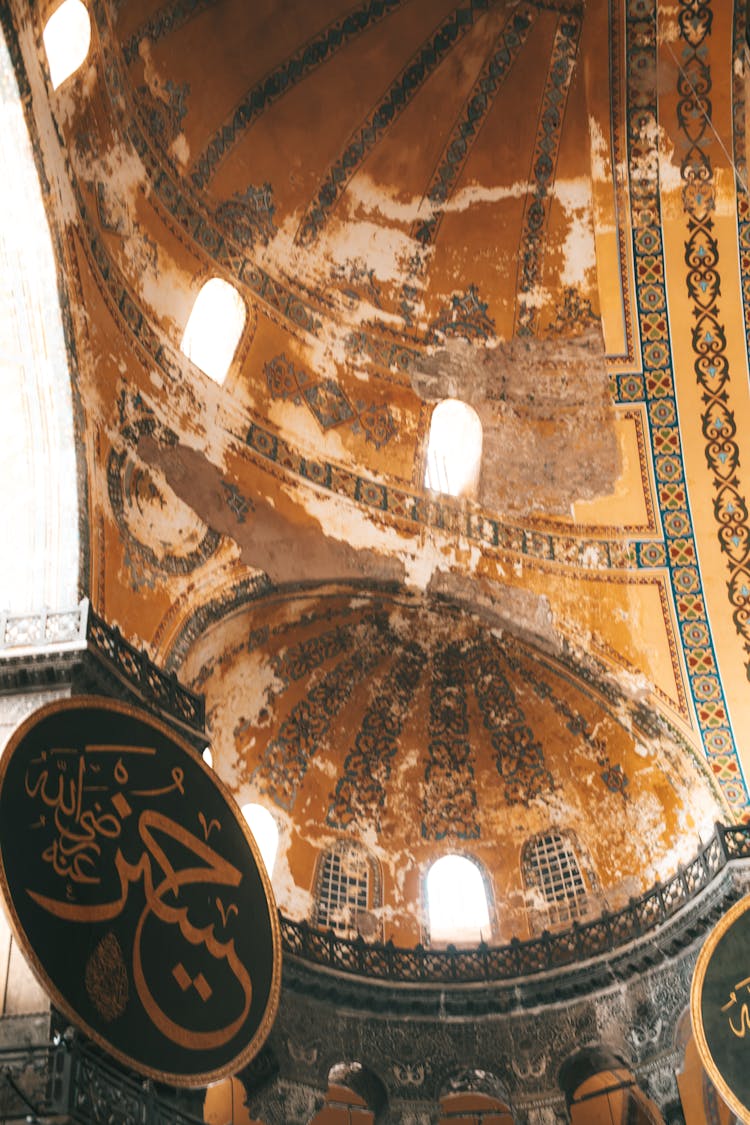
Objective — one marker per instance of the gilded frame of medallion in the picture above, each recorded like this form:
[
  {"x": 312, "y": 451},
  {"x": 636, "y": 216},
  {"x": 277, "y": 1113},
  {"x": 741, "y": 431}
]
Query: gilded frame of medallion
[{"x": 742, "y": 1112}]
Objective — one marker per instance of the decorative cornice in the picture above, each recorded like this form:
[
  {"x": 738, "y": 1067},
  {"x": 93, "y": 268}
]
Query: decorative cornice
[
  {"x": 549, "y": 969},
  {"x": 77, "y": 648}
]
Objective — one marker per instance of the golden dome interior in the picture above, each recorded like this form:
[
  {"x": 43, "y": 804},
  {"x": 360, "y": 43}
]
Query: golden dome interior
[{"x": 416, "y": 201}]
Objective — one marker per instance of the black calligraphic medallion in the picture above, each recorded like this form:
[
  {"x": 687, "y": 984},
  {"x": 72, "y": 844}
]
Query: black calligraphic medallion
[
  {"x": 137, "y": 891},
  {"x": 720, "y": 1007}
]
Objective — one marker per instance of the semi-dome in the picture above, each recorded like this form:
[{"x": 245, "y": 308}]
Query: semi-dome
[{"x": 409, "y": 729}]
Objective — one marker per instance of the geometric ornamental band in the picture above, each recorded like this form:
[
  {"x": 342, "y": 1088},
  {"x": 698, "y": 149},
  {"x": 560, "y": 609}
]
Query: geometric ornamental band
[{"x": 137, "y": 891}]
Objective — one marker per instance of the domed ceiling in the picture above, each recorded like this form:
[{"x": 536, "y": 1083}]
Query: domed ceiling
[
  {"x": 340, "y": 166},
  {"x": 416, "y": 730},
  {"x": 415, "y": 200}
]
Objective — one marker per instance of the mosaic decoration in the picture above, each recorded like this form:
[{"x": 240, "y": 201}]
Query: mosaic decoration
[
  {"x": 465, "y": 317},
  {"x": 390, "y": 687},
  {"x": 739, "y": 124},
  {"x": 709, "y": 338},
  {"x": 570, "y": 548},
  {"x": 237, "y": 503},
  {"x": 318, "y": 50},
  {"x": 504, "y": 53},
  {"x": 666, "y": 448},
  {"x": 247, "y": 218},
  {"x": 302, "y": 659},
  {"x": 359, "y": 797},
  {"x": 573, "y": 315},
  {"x": 703, "y": 285},
  {"x": 613, "y": 776},
  {"x": 542, "y": 174},
  {"x": 411, "y": 79},
  {"x": 255, "y": 639},
  {"x": 357, "y": 283},
  {"x": 183, "y": 213},
  {"x": 287, "y": 757},
  {"x": 327, "y": 402},
  {"x": 168, "y": 19},
  {"x": 391, "y": 355},
  {"x": 449, "y": 806},
  {"x": 618, "y": 134},
  {"x": 140, "y": 506},
  {"x": 520, "y": 757},
  {"x": 164, "y": 114},
  {"x": 587, "y": 553}
]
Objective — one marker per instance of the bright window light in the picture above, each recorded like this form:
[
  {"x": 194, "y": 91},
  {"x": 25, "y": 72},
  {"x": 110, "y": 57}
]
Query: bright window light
[
  {"x": 457, "y": 901},
  {"x": 67, "y": 35},
  {"x": 266, "y": 832},
  {"x": 214, "y": 328},
  {"x": 454, "y": 449}
]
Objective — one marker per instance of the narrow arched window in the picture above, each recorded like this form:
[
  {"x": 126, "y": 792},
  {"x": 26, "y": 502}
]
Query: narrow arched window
[
  {"x": 552, "y": 869},
  {"x": 347, "y": 891},
  {"x": 214, "y": 328},
  {"x": 454, "y": 449},
  {"x": 67, "y": 37},
  {"x": 266, "y": 832},
  {"x": 457, "y": 907}
]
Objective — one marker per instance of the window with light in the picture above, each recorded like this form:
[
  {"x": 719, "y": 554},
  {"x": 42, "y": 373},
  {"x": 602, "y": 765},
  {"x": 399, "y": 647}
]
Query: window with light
[
  {"x": 457, "y": 907},
  {"x": 266, "y": 832},
  {"x": 214, "y": 328},
  {"x": 66, "y": 37},
  {"x": 454, "y": 449}
]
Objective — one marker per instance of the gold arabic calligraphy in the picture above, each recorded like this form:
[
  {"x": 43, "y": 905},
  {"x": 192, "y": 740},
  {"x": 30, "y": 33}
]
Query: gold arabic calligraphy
[
  {"x": 744, "y": 1012},
  {"x": 76, "y": 851}
]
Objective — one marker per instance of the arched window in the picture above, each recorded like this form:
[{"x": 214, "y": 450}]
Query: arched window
[
  {"x": 214, "y": 328},
  {"x": 266, "y": 832},
  {"x": 67, "y": 36},
  {"x": 551, "y": 867},
  {"x": 454, "y": 449},
  {"x": 457, "y": 901},
  {"x": 347, "y": 891}
]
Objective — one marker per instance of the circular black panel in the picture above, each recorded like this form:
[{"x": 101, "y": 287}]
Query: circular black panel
[
  {"x": 137, "y": 892},
  {"x": 720, "y": 1007}
]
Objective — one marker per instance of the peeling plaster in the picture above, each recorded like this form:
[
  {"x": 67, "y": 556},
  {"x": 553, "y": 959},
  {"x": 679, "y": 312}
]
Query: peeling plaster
[
  {"x": 549, "y": 433},
  {"x": 600, "y": 155},
  {"x": 579, "y": 248}
]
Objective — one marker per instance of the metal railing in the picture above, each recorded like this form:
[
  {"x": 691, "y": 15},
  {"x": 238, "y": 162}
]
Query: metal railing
[
  {"x": 96, "y": 1090},
  {"x": 81, "y": 628},
  {"x": 158, "y": 687},
  {"x": 519, "y": 958},
  {"x": 73, "y": 1081}
]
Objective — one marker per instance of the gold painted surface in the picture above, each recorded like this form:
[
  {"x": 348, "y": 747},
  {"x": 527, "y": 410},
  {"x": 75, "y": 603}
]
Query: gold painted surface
[
  {"x": 250, "y": 671},
  {"x": 676, "y": 226},
  {"x": 185, "y": 521}
]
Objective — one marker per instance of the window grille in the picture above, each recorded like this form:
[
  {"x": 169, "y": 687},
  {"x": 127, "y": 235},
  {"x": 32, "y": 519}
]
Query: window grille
[
  {"x": 552, "y": 867},
  {"x": 344, "y": 889}
]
